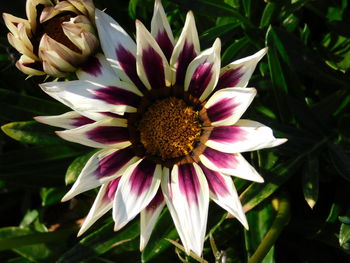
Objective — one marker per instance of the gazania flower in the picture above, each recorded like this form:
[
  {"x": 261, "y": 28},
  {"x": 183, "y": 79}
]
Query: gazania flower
[
  {"x": 168, "y": 121},
  {"x": 55, "y": 39}
]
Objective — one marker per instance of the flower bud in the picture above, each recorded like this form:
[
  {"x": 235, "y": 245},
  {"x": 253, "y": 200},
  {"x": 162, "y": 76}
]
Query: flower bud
[{"x": 56, "y": 39}]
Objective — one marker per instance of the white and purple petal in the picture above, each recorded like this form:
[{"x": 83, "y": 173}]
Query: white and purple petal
[
  {"x": 118, "y": 47},
  {"x": 107, "y": 133},
  {"x": 161, "y": 31},
  {"x": 226, "y": 106},
  {"x": 97, "y": 69},
  {"x": 102, "y": 204},
  {"x": 138, "y": 186},
  {"x": 203, "y": 72},
  {"x": 149, "y": 217},
  {"x": 238, "y": 73},
  {"x": 224, "y": 193},
  {"x": 152, "y": 65},
  {"x": 186, "y": 49},
  {"x": 186, "y": 193},
  {"x": 230, "y": 164},
  {"x": 68, "y": 120},
  {"x": 245, "y": 135},
  {"x": 101, "y": 168},
  {"x": 83, "y": 95}
]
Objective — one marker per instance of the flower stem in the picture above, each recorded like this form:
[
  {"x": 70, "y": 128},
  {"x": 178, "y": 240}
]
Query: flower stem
[{"x": 282, "y": 218}]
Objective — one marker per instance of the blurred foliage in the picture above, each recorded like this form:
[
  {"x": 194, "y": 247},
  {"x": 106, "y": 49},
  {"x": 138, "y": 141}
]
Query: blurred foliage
[{"x": 303, "y": 94}]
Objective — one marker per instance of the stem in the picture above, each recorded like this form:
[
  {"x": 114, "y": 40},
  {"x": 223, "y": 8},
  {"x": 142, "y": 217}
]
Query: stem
[{"x": 282, "y": 218}]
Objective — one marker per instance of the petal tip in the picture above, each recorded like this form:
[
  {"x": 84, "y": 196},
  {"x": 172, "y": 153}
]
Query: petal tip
[
  {"x": 82, "y": 230},
  {"x": 67, "y": 197}
]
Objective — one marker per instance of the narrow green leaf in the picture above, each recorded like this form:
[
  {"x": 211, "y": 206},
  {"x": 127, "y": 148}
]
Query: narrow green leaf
[
  {"x": 31, "y": 132},
  {"x": 29, "y": 218},
  {"x": 15, "y": 237},
  {"x": 217, "y": 31},
  {"x": 76, "y": 167},
  {"x": 233, "y": 51},
  {"x": 303, "y": 59},
  {"x": 29, "y": 244},
  {"x": 279, "y": 87},
  {"x": 344, "y": 237},
  {"x": 132, "y": 8},
  {"x": 214, "y": 8},
  {"x": 256, "y": 193},
  {"x": 52, "y": 195},
  {"x": 311, "y": 180},
  {"x": 340, "y": 159},
  {"x": 35, "y": 106},
  {"x": 344, "y": 219},
  {"x": 192, "y": 255},
  {"x": 247, "y": 4},
  {"x": 260, "y": 221},
  {"x": 99, "y": 242},
  {"x": 268, "y": 14},
  {"x": 38, "y": 154}
]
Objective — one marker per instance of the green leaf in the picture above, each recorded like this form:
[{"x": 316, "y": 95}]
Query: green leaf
[
  {"x": 344, "y": 219},
  {"x": 29, "y": 106},
  {"x": 157, "y": 243},
  {"x": 344, "y": 237},
  {"x": 311, "y": 180},
  {"x": 31, "y": 132},
  {"x": 233, "y": 51},
  {"x": 256, "y": 192},
  {"x": 268, "y": 14},
  {"x": 100, "y": 241},
  {"x": 260, "y": 221},
  {"x": 38, "y": 166},
  {"x": 132, "y": 8},
  {"x": 247, "y": 4},
  {"x": 52, "y": 195},
  {"x": 340, "y": 159},
  {"x": 217, "y": 31},
  {"x": 280, "y": 86},
  {"x": 29, "y": 218},
  {"x": 192, "y": 255},
  {"x": 37, "y": 155},
  {"x": 76, "y": 167},
  {"x": 28, "y": 243},
  {"x": 213, "y": 8},
  {"x": 303, "y": 59}
]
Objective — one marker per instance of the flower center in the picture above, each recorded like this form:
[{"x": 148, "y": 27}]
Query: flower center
[
  {"x": 53, "y": 28},
  {"x": 169, "y": 128}
]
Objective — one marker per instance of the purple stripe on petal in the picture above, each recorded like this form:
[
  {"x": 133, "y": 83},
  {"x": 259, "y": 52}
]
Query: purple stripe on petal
[
  {"x": 80, "y": 121},
  {"x": 200, "y": 79},
  {"x": 128, "y": 63},
  {"x": 220, "y": 159},
  {"x": 221, "y": 110},
  {"x": 185, "y": 57},
  {"x": 229, "y": 79},
  {"x": 93, "y": 67},
  {"x": 227, "y": 134},
  {"x": 165, "y": 44},
  {"x": 117, "y": 96},
  {"x": 111, "y": 189},
  {"x": 156, "y": 201},
  {"x": 112, "y": 163},
  {"x": 188, "y": 183},
  {"x": 141, "y": 177},
  {"x": 217, "y": 184},
  {"x": 154, "y": 68},
  {"x": 109, "y": 134}
]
